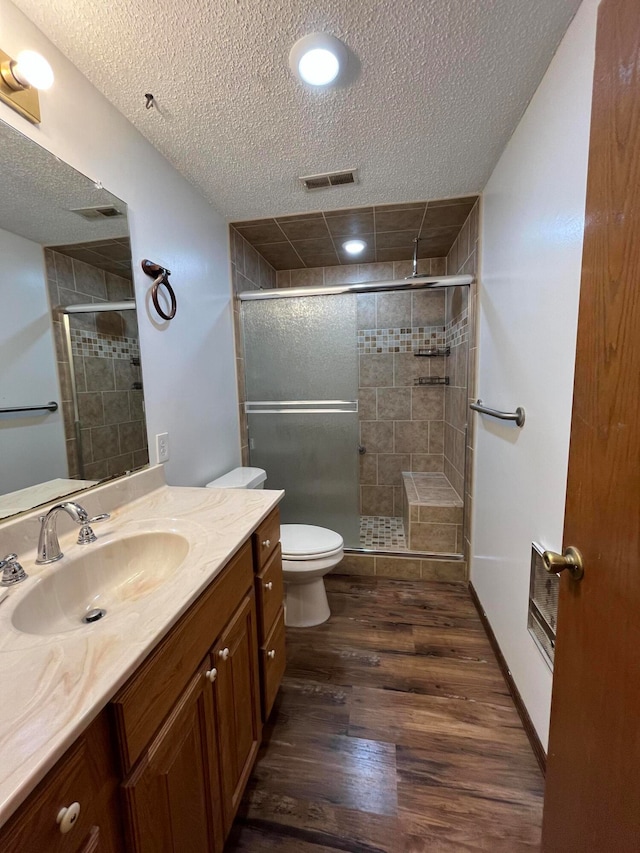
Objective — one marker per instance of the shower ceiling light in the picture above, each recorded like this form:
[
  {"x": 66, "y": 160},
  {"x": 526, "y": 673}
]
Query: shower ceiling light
[
  {"x": 354, "y": 247},
  {"x": 318, "y": 59}
]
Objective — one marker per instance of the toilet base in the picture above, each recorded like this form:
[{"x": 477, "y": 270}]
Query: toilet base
[{"x": 305, "y": 604}]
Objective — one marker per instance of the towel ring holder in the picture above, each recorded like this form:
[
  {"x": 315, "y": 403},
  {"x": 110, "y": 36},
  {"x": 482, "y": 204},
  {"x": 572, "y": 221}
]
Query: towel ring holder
[{"x": 161, "y": 279}]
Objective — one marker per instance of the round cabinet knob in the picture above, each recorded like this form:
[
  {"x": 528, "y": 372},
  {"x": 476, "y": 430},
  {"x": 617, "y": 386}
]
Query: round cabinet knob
[
  {"x": 212, "y": 674},
  {"x": 271, "y": 654},
  {"x": 68, "y": 817},
  {"x": 266, "y": 543},
  {"x": 269, "y": 586},
  {"x": 224, "y": 654}
]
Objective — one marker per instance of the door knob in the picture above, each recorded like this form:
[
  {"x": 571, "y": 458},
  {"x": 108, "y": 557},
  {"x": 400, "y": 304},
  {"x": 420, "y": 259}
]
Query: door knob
[
  {"x": 212, "y": 674},
  {"x": 269, "y": 586},
  {"x": 224, "y": 654},
  {"x": 570, "y": 559}
]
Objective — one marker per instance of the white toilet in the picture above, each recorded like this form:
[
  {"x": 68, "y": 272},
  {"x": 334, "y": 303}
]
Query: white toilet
[{"x": 308, "y": 553}]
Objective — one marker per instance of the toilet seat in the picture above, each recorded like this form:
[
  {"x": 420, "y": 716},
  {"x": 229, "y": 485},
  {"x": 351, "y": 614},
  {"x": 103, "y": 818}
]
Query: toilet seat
[{"x": 308, "y": 542}]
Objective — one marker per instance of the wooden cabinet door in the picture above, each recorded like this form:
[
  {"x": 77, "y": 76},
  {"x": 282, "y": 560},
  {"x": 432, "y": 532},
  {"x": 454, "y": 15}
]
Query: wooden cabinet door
[
  {"x": 237, "y": 704},
  {"x": 173, "y": 796}
]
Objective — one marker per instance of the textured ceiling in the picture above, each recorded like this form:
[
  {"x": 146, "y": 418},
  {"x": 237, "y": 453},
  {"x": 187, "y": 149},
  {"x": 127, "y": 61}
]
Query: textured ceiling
[
  {"x": 437, "y": 88},
  {"x": 38, "y": 192},
  {"x": 388, "y": 231}
]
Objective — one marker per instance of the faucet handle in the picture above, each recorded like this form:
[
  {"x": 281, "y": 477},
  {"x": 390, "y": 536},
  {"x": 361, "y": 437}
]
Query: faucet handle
[
  {"x": 12, "y": 571},
  {"x": 86, "y": 534}
]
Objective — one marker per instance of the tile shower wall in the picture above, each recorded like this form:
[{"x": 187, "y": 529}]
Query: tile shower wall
[
  {"x": 107, "y": 359},
  {"x": 401, "y": 424},
  {"x": 249, "y": 271},
  {"x": 460, "y": 319}
]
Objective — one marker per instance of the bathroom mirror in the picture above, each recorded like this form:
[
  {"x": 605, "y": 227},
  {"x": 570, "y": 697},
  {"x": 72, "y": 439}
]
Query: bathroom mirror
[{"x": 71, "y": 398}]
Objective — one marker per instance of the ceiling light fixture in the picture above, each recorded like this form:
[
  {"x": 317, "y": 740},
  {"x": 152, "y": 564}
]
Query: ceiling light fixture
[
  {"x": 318, "y": 59},
  {"x": 354, "y": 247},
  {"x": 20, "y": 81}
]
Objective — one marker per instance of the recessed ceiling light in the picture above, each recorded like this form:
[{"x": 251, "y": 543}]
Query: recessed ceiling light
[
  {"x": 318, "y": 59},
  {"x": 354, "y": 247}
]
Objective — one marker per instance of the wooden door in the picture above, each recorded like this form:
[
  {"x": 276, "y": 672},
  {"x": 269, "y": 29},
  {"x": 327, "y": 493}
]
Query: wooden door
[
  {"x": 237, "y": 704},
  {"x": 592, "y": 802},
  {"x": 173, "y": 796}
]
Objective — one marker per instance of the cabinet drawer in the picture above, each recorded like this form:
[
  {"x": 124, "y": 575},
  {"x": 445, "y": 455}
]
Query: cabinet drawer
[
  {"x": 270, "y": 594},
  {"x": 83, "y": 775},
  {"x": 273, "y": 660},
  {"x": 144, "y": 702},
  {"x": 266, "y": 538}
]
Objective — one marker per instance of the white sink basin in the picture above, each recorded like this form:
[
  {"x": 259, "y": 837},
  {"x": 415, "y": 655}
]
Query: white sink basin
[{"x": 105, "y": 576}]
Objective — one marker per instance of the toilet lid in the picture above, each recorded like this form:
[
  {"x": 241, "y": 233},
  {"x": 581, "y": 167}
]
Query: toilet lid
[{"x": 300, "y": 540}]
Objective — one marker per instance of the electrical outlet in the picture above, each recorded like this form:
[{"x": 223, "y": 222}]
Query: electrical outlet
[{"x": 162, "y": 447}]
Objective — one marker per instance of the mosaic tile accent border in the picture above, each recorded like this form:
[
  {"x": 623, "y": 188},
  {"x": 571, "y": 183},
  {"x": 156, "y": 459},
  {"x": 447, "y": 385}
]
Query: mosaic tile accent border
[
  {"x": 378, "y": 531},
  {"x": 400, "y": 340},
  {"x": 457, "y": 330},
  {"x": 93, "y": 345}
]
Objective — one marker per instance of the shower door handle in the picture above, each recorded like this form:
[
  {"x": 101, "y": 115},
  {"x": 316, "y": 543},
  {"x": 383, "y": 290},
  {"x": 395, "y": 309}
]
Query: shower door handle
[{"x": 362, "y": 449}]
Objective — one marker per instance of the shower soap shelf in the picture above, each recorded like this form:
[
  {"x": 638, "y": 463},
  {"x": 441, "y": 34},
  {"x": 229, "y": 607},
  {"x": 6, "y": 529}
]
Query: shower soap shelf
[
  {"x": 432, "y": 352},
  {"x": 431, "y": 380}
]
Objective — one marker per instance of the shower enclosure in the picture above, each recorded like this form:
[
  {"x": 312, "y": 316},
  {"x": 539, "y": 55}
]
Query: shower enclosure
[
  {"x": 356, "y": 405},
  {"x": 105, "y": 427}
]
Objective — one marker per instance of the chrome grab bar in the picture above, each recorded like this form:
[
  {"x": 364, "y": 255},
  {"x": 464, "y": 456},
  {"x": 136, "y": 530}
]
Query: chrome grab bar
[
  {"x": 517, "y": 416},
  {"x": 50, "y": 407}
]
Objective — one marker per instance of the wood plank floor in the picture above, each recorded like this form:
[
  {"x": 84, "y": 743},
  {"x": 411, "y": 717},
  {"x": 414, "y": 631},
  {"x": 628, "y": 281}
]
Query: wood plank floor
[{"x": 393, "y": 732}]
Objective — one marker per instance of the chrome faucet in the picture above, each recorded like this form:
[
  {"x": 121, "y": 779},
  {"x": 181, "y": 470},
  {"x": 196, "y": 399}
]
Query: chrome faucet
[{"x": 48, "y": 545}]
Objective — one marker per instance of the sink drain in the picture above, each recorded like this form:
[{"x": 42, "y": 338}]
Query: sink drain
[{"x": 94, "y": 615}]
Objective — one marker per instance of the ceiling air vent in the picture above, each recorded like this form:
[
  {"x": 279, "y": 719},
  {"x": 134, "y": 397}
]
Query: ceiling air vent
[
  {"x": 97, "y": 212},
  {"x": 331, "y": 179}
]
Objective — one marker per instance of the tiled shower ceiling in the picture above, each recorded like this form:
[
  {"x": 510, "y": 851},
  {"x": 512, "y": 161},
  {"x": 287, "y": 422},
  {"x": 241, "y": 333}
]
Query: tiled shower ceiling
[
  {"x": 315, "y": 239},
  {"x": 111, "y": 255}
]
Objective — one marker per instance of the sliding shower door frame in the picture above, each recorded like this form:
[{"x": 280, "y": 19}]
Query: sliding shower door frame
[{"x": 393, "y": 286}]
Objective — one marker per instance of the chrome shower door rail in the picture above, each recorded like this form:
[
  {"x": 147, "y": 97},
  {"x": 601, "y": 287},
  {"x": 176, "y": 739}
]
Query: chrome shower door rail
[
  {"x": 419, "y": 283},
  {"x": 272, "y": 407}
]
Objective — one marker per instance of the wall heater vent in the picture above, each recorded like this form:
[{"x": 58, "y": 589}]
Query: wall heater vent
[
  {"x": 543, "y": 605},
  {"x": 331, "y": 179}
]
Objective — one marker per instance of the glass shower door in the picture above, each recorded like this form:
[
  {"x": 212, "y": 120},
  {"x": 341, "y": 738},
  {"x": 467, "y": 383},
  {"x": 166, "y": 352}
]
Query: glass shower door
[{"x": 301, "y": 365}]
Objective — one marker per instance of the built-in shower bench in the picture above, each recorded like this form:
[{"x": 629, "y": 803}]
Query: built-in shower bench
[{"x": 432, "y": 512}]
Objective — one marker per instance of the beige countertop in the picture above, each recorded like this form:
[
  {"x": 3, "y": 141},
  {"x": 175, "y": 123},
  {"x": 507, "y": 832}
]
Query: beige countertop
[{"x": 53, "y": 686}]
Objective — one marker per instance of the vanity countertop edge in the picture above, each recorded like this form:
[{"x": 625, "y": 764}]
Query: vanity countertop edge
[{"x": 54, "y": 687}]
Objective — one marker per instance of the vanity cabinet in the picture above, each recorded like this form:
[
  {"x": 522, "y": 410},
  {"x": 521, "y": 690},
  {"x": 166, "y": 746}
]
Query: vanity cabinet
[
  {"x": 186, "y": 781},
  {"x": 164, "y": 766}
]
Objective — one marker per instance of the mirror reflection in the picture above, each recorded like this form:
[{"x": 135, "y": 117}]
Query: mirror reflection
[{"x": 71, "y": 397}]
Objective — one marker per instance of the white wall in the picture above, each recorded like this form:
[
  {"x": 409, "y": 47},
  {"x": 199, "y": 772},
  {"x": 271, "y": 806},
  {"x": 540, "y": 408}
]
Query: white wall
[
  {"x": 188, "y": 366},
  {"x": 33, "y": 446},
  {"x": 532, "y": 225}
]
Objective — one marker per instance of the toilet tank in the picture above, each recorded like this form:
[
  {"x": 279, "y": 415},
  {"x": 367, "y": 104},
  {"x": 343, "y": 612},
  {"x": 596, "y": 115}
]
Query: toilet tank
[{"x": 240, "y": 478}]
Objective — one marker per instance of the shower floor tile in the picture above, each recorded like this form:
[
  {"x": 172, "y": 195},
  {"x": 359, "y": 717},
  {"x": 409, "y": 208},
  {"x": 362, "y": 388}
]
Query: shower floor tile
[{"x": 382, "y": 532}]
